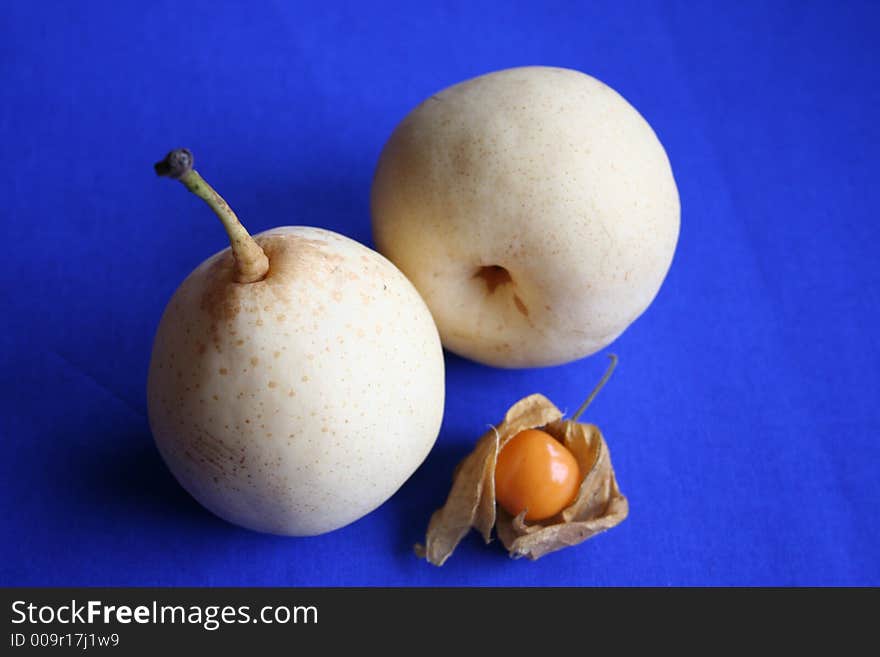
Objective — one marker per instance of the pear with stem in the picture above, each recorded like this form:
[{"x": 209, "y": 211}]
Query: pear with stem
[{"x": 296, "y": 379}]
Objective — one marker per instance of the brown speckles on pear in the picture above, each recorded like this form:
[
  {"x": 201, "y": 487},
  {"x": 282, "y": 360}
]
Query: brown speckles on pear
[{"x": 223, "y": 298}]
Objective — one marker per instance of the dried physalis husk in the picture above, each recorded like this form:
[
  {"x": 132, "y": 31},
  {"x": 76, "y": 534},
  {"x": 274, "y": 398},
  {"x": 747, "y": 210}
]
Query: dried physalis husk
[{"x": 599, "y": 504}]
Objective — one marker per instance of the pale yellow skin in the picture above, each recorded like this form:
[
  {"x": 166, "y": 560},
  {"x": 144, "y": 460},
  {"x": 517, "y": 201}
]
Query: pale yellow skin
[
  {"x": 297, "y": 404},
  {"x": 545, "y": 172}
]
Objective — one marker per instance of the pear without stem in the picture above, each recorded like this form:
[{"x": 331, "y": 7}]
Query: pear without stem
[{"x": 533, "y": 208}]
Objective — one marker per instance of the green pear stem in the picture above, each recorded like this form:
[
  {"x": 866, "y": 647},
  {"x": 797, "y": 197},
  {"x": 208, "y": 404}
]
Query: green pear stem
[
  {"x": 251, "y": 263},
  {"x": 599, "y": 386}
]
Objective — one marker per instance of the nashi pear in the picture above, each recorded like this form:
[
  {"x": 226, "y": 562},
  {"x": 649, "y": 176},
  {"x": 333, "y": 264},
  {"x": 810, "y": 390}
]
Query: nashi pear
[
  {"x": 533, "y": 208},
  {"x": 296, "y": 379}
]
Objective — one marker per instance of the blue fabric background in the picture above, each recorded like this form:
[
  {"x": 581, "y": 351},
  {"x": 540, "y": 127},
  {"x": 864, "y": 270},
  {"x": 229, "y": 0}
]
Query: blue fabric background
[{"x": 743, "y": 419}]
